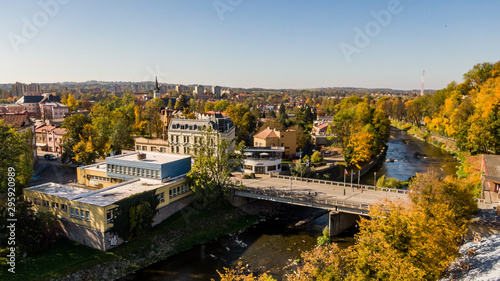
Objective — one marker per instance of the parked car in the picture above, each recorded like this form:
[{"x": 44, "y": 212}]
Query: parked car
[{"x": 50, "y": 157}]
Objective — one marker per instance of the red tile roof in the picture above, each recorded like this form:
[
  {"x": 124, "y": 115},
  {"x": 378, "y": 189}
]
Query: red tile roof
[
  {"x": 267, "y": 133},
  {"x": 16, "y": 120}
]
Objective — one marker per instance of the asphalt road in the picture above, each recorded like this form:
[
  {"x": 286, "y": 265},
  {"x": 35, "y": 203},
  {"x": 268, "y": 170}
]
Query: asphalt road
[{"x": 54, "y": 172}]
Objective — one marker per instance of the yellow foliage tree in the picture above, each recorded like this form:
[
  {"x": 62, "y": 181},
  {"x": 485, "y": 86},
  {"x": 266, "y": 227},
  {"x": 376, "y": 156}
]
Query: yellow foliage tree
[{"x": 359, "y": 149}]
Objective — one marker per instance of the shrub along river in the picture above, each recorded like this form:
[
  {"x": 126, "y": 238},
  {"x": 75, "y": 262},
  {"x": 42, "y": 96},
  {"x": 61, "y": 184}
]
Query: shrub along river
[{"x": 275, "y": 243}]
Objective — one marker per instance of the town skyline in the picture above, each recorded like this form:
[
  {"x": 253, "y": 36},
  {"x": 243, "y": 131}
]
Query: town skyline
[{"x": 243, "y": 44}]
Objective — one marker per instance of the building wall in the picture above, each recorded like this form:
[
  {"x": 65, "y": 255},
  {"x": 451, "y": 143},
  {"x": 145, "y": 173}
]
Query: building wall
[
  {"x": 97, "y": 219},
  {"x": 82, "y": 175},
  {"x": 94, "y": 232},
  {"x": 153, "y": 145}
]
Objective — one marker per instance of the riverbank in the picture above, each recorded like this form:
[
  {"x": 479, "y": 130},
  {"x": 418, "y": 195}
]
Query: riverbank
[
  {"x": 68, "y": 260},
  {"x": 470, "y": 165}
]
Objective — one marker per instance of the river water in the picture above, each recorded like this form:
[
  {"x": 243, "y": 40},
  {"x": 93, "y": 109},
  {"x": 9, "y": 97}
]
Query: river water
[{"x": 274, "y": 243}]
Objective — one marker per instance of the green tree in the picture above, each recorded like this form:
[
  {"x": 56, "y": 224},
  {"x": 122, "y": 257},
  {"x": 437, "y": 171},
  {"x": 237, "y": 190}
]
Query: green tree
[
  {"x": 74, "y": 125},
  {"x": 141, "y": 218},
  {"x": 17, "y": 153},
  {"x": 210, "y": 175},
  {"x": 181, "y": 103},
  {"x": 316, "y": 157}
]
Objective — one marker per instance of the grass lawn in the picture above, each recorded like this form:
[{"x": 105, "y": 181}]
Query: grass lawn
[{"x": 66, "y": 257}]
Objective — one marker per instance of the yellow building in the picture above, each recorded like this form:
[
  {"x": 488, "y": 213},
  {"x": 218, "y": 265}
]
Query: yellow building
[
  {"x": 271, "y": 138},
  {"x": 87, "y": 215}
]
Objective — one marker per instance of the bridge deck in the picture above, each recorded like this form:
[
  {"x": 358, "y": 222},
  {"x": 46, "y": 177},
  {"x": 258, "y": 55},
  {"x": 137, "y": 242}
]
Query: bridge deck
[{"x": 319, "y": 194}]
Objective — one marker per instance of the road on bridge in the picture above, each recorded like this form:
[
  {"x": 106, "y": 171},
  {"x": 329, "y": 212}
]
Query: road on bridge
[{"x": 323, "y": 191}]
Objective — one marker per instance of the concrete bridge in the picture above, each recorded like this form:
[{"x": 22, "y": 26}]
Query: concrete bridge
[{"x": 345, "y": 202}]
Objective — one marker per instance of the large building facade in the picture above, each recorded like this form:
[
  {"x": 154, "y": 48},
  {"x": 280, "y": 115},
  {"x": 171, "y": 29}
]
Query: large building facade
[{"x": 183, "y": 135}]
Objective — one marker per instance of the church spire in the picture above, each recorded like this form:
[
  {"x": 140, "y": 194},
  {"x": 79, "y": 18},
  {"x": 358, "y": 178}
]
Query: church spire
[{"x": 157, "y": 88}]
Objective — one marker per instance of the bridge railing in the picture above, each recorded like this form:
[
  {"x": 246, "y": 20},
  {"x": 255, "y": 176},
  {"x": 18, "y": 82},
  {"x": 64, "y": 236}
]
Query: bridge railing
[
  {"x": 303, "y": 197},
  {"x": 341, "y": 184}
]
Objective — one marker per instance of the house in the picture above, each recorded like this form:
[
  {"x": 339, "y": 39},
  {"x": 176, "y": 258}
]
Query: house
[
  {"x": 41, "y": 136},
  {"x": 55, "y": 139},
  {"x": 34, "y": 104},
  {"x": 87, "y": 215},
  {"x": 53, "y": 110},
  {"x": 272, "y": 137},
  {"x": 262, "y": 160},
  {"x": 22, "y": 123},
  {"x": 320, "y": 136},
  {"x": 491, "y": 176}
]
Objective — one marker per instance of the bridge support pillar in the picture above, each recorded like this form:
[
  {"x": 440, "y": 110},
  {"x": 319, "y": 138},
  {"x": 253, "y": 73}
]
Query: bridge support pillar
[{"x": 340, "y": 222}]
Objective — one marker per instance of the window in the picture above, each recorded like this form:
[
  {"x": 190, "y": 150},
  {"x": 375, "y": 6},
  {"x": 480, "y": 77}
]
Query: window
[
  {"x": 121, "y": 169},
  {"x": 87, "y": 215},
  {"x": 162, "y": 149},
  {"x": 177, "y": 138},
  {"x": 45, "y": 203},
  {"x": 157, "y": 174},
  {"x": 177, "y": 149},
  {"x": 134, "y": 171},
  {"x": 55, "y": 205},
  {"x": 185, "y": 150},
  {"x": 82, "y": 213},
  {"x": 172, "y": 138},
  {"x": 145, "y": 148},
  {"x": 279, "y": 166},
  {"x": 36, "y": 201},
  {"x": 271, "y": 168},
  {"x": 64, "y": 207},
  {"x": 109, "y": 216},
  {"x": 72, "y": 212},
  {"x": 248, "y": 167},
  {"x": 77, "y": 214},
  {"x": 138, "y": 147},
  {"x": 153, "y": 148},
  {"x": 148, "y": 173},
  {"x": 161, "y": 197}
]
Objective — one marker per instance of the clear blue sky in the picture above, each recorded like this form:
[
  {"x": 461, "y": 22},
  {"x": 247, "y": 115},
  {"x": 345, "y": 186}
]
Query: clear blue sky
[{"x": 270, "y": 44}]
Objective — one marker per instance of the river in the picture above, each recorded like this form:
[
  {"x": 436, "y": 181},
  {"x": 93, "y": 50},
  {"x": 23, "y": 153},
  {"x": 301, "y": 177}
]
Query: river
[{"x": 275, "y": 242}]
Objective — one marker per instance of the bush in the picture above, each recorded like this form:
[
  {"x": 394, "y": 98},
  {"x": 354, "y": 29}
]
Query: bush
[
  {"x": 390, "y": 182},
  {"x": 249, "y": 176}
]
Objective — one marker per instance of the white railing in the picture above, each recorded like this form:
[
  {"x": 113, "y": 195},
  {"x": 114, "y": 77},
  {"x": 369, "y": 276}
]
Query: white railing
[{"x": 341, "y": 184}]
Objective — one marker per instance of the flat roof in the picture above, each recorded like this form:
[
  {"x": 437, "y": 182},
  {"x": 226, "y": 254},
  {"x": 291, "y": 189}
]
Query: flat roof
[
  {"x": 61, "y": 190},
  {"x": 101, "y": 197},
  {"x": 99, "y": 167},
  {"x": 151, "y": 157},
  {"x": 107, "y": 196}
]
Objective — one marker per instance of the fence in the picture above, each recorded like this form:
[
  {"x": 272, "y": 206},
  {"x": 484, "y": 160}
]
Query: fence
[
  {"x": 296, "y": 197},
  {"x": 336, "y": 183}
]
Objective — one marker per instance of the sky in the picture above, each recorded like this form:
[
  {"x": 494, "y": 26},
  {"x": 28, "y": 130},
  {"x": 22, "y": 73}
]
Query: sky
[{"x": 248, "y": 43}]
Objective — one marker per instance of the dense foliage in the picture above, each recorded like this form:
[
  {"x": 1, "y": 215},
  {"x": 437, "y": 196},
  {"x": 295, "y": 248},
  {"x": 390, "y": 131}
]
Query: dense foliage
[{"x": 134, "y": 215}]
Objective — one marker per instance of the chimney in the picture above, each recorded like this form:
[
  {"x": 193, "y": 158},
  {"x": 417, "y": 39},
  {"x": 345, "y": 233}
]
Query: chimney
[{"x": 141, "y": 156}]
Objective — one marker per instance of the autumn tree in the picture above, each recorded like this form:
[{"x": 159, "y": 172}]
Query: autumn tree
[
  {"x": 74, "y": 126},
  {"x": 210, "y": 175}
]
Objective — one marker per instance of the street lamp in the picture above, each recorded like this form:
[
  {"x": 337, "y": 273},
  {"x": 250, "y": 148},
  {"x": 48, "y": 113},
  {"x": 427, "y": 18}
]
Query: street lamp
[{"x": 374, "y": 178}]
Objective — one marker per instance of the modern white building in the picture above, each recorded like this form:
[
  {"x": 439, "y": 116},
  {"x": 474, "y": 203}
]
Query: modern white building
[{"x": 262, "y": 160}]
